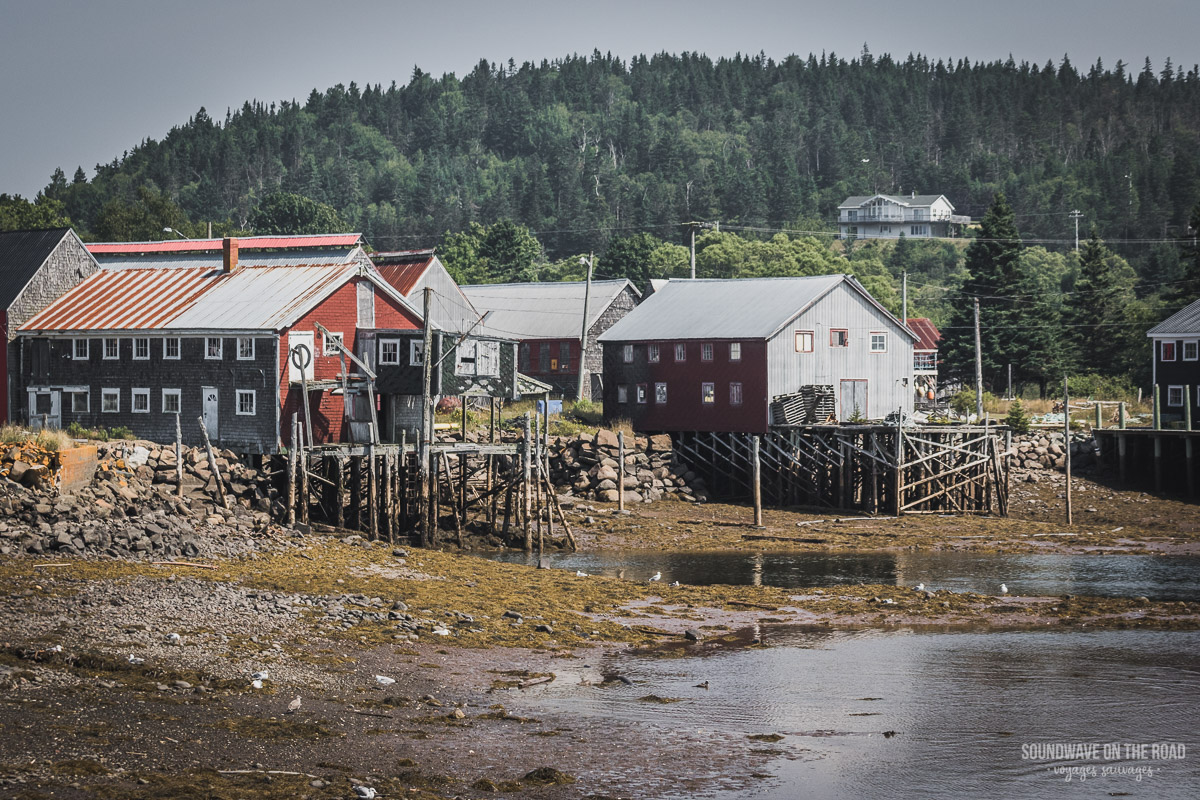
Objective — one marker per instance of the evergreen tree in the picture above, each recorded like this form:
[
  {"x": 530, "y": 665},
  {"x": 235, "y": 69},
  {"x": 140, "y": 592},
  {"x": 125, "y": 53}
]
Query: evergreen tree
[
  {"x": 1099, "y": 309},
  {"x": 283, "y": 213}
]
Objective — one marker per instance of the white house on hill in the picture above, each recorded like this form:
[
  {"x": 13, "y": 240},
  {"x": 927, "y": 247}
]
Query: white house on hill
[{"x": 883, "y": 216}]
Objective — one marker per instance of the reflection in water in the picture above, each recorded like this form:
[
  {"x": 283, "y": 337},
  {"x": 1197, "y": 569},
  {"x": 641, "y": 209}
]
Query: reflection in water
[
  {"x": 1156, "y": 577},
  {"x": 962, "y": 705}
]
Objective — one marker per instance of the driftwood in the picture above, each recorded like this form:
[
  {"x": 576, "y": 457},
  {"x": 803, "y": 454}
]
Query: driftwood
[
  {"x": 771, "y": 538},
  {"x": 182, "y": 564},
  {"x": 753, "y": 605}
]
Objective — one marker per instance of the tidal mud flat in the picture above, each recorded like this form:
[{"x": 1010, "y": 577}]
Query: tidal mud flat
[{"x": 125, "y": 678}]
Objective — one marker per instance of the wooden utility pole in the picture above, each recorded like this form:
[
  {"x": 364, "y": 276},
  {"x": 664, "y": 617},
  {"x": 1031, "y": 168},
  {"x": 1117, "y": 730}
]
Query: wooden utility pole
[
  {"x": 587, "y": 296},
  {"x": 620, "y": 470},
  {"x": 978, "y": 368},
  {"x": 426, "y": 418},
  {"x": 692, "y": 227},
  {"x": 904, "y": 298},
  {"x": 527, "y": 458},
  {"x": 1067, "y": 441},
  {"x": 758, "y": 511}
]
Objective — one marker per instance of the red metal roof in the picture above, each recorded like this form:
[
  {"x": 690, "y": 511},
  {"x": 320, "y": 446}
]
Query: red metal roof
[
  {"x": 244, "y": 243},
  {"x": 927, "y": 333},
  {"x": 403, "y": 276}
]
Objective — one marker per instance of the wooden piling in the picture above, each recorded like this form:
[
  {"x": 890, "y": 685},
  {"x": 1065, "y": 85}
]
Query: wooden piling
[
  {"x": 372, "y": 493},
  {"x": 620, "y": 470},
  {"x": 178, "y": 458},
  {"x": 212, "y": 465},
  {"x": 291, "y": 483},
  {"x": 338, "y": 465},
  {"x": 526, "y": 497},
  {"x": 757, "y": 466}
]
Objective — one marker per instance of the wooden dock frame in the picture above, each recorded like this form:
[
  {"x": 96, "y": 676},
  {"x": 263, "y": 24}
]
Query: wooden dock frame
[
  {"x": 377, "y": 490},
  {"x": 1163, "y": 460},
  {"x": 872, "y": 468}
]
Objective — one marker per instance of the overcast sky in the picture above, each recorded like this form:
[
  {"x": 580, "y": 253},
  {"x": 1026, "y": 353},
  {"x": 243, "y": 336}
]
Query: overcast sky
[{"x": 83, "y": 81}]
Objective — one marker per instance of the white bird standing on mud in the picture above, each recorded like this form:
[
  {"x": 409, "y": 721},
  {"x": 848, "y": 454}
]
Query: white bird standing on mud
[
  {"x": 656, "y": 577},
  {"x": 920, "y": 587},
  {"x": 294, "y": 706},
  {"x": 580, "y": 574},
  {"x": 1003, "y": 589}
]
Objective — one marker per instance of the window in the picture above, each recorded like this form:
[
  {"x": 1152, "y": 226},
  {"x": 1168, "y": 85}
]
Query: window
[
  {"x": 245, "y": 402},
  {"x": 735, "y": 394},
  {"x": 525, "y": 358},
  {"x": 1168, "y": 351},
  {"x": 652, "y": 353},
  {"x": 79, "y": 349},
  {"x": 641, "y": 393},
  {"x": 924, "y": 360},
  {"x": 465, "y": 362},
  {"x": 564, "y": 356},
  {"x": 170, "y": 401},
  {"x": 141, "y": 401},
  {"x": 110, "y": 401},
  {"x": 81, "y": 402},
  {"x": 804, "y": 341},
  {"x": 1191, "y": 351},
  {"x": 839, "y": 338},
  {"x": 389, "y": 351},
  {"x": 245, "y": 348},
  {"x": 141, "y": 349},
  {"x": 660, "y": 394},
  {"x": 735, "y": 351},
  {"x": 708, "y": 394},
  {"x": 622, "y": 393},
  {"x": 706, "y": 351},
  {"x": 878, "y": 342},
  {"x": 416, "y": 353},
  {"x": 1175, "y": 395},
  {"x": 681, "y": 352},
  {"x": 112, "y": 349},
  {"x": 918, "y": 230},
  {"x": 627, "y": 354},
  {"x": 212, "y": 347},
  {"x": 171, "y": 349},
  {"x": 544, "y": 357},
  {"x": 330, "y": 342}
]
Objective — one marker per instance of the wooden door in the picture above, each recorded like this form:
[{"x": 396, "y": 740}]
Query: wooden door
[
  {"x": 854, "y": 400},
  {"x": 211, "y": 405}
]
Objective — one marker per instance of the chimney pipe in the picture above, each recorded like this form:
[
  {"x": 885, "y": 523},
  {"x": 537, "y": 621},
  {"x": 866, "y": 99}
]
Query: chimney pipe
[{"x": 230, "y": 249}]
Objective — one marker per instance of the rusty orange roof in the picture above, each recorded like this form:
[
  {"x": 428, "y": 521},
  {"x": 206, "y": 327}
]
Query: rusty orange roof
[
  {"x": 244, "y": 243},
  {"x": 927, "y": 333}
]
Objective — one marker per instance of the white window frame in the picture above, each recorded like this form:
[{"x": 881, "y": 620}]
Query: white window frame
[
  {"x": 660, "y": 393},
  {"x": 622, "y": 393},
  {"x": 845, "y": 337},
  {"x": 680, "y": 352},
  {"x": 708, "y": 394},
  {"x": 883, "y": 342},
  {"x": 416, "y": 353},
  {"x": 627, "y": 353},
  {"x": 735, "y": 397},
  {"x": 116, "y": 343},
  {"x": 87, "y": 402},
  {"x": 383, "y": 358},
  {"x": 805, "y": 336},
  {"x": 706, "y": 351},
  {"x": 1195, "y": 347},
  {"x": 735, "y": 351},
  {"x": 144, "y": 394},
  {"x": 208, "y": 356},
  {"x": 137, "y": 342},
  {"x": 326, "y": 338},
  {"x": 237, "y": 402},
  {"x": 105, "y": 393},
  {"x": 641, "y": 394},
  {"x": 924, "y": 360},
  {"x": 178, "y": 348},
  {"x": 242, "y": 340},
  {"x": 1175, "y": 396},
  {"x": 178, "y": 395},
  {"x": 652, "y": 354},
  {"x": 87, "y": 349}
]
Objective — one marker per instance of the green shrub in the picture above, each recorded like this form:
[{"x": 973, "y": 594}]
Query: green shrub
[
  {"x": 964, "y": 402},
  {"x": 1017, "y": 419},
  {"x": 1104, "y": 387}
]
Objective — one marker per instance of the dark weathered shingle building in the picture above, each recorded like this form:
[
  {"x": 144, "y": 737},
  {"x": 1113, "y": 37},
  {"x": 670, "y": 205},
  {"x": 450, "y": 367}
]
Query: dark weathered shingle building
[{"x": 1176, "y": 360}]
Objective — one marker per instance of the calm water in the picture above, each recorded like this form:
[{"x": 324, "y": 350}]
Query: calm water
[
  {"x": 962, "y": 706},
  {"x": 1156, "y": 577}
]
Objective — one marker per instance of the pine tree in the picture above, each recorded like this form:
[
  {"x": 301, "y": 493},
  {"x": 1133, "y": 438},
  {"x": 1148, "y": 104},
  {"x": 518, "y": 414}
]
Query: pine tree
[{"x": 1099, "y": 309}]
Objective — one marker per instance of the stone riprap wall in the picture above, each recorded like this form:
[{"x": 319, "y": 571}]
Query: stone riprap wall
[{"x": 1046, "y": 450}]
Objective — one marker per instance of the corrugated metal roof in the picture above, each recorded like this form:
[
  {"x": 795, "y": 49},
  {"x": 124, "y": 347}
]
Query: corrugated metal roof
[
  {"x": 739, "y": 308},
  {"x": 244, "y": 243},
  {"x": 541, "y": 310},
  {"x": 215, "y": 260},
  {"x": 855, "y": 201},
  {"x": 22, "y": 253},
  {"x": 404, "y": 275},
  {"x": 193, "y": 298},
  {"x": 927, "y": 333},
  {"x": 1182, "y": 323}
]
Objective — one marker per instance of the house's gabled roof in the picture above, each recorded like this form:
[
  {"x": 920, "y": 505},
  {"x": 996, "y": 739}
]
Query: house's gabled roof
[
  {"x": 409, "y": 271},
  {"x": 738, "y": 308},
  {"x": 403, "y": 269},
  {"x": 257, "y": 297},
  {"x": 911, "y": 201},
  {"x": 543, "y": 310},
  {"x": 1185, "y": 322},
  {"x": 324, "y": 240},
  {"x": 927, "y": 333},
  {"x": 22, "y": 254}
]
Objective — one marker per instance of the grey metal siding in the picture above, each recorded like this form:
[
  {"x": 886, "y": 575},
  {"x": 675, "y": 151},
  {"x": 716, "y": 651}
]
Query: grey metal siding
[{"x": 888, "y": 375}]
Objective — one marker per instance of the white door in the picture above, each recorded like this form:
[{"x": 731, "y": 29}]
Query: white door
[
  {"x": 211, "y": 418},
  {"x": 301, "y": 347}
]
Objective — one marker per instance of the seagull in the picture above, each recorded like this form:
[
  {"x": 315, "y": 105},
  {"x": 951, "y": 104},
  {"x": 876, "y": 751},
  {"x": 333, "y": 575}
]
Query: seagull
[
  {"x": 256, "y": 684},
  {"x": 920, "y": 587},
  {"x": 656, "y": 577},
  {"x": 294, "y": 706},
  {"x": 135, "y": 660},
  {"x": 173, "y": 638},
  {"x": 384, "y": 680},
  {"x": 702, "y": 685},
  {"x": 261, "y": 675},
  {"x": 581, "y": 574},
  {"x": 675, "y": 583},
  {"x": 364, "y": 792},
  {"x": 1003, "y": 589}
]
